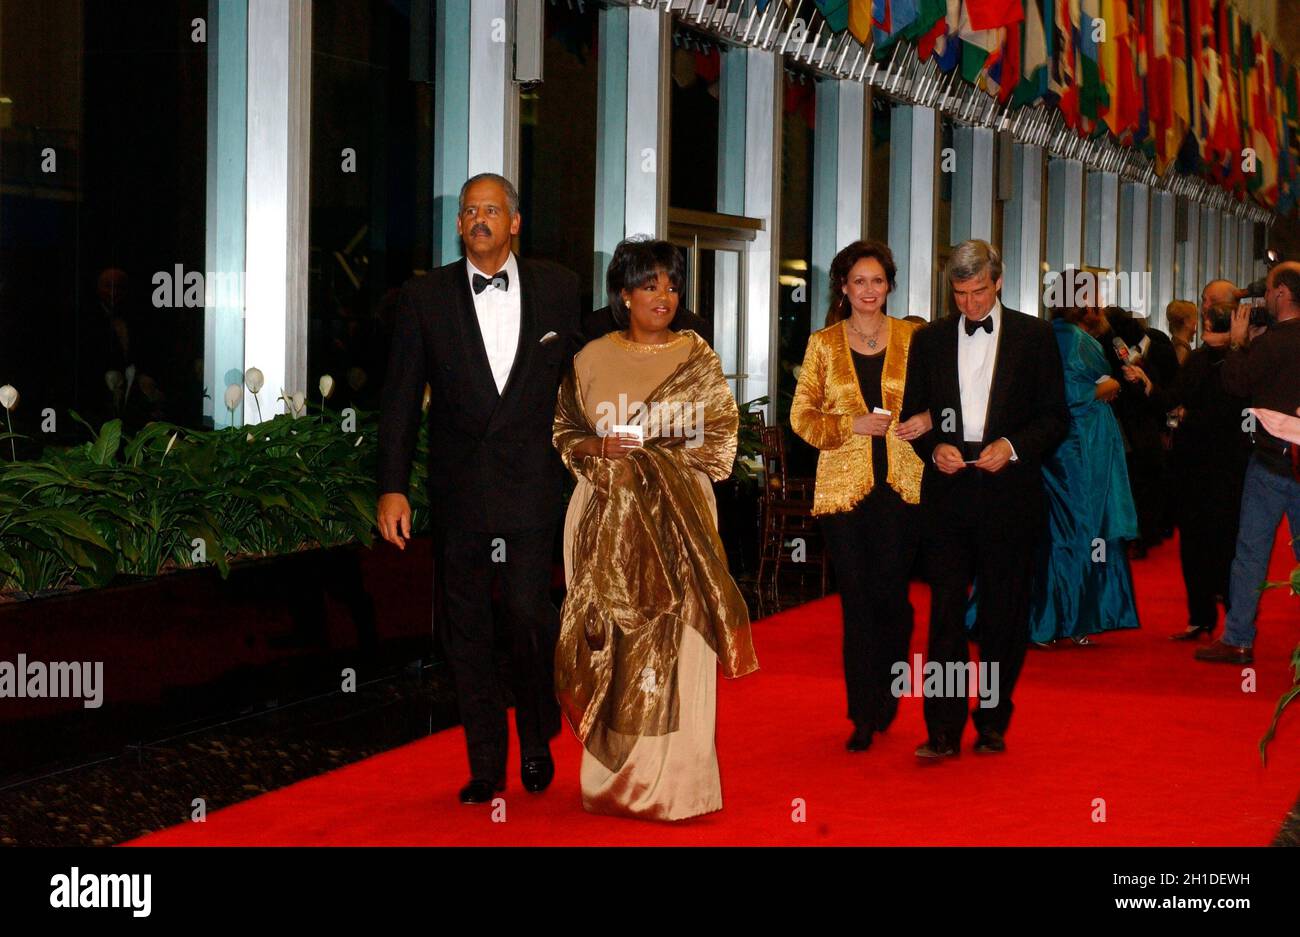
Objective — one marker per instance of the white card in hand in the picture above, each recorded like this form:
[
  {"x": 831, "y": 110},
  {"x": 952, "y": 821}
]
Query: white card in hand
[
  {"x": 627, "y": 429},
  {"x": 882, "y": 411}
]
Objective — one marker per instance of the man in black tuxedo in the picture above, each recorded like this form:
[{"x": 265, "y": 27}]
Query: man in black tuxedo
[
  {"x": 992, "y": 381},
  {"x": 491, "y": 335}
]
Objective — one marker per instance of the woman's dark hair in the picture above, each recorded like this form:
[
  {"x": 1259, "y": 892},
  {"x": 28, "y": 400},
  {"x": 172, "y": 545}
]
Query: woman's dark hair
[
  {"x": 1072, "y": 313},
  {"x": 844, "y": 262},
  {"x": 636, "y": 262}
]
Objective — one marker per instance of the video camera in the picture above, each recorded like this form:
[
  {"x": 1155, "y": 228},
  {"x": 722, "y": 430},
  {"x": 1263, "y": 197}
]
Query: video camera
[{"x": 1253, "y": 296}]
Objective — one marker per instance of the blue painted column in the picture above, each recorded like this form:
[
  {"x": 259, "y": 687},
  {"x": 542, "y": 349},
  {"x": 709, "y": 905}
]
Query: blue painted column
[
  {"x": 223, "y": 315},
  {"x": 1022, "y": 228},
  {"x": 914, "y": 138}
]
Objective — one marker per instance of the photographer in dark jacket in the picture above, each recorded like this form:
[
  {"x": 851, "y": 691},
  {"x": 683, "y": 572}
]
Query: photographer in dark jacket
[
  {"x": 1207, "y": 462},
  {"x": 1262, "y": 368}
]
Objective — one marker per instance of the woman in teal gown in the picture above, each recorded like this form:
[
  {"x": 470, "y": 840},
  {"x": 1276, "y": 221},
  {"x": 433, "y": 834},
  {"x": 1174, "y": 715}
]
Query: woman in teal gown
[{"x": 1084, "y": 585}]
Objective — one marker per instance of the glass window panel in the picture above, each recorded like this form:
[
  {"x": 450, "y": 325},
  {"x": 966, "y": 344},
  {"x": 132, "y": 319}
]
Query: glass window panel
[
  {"x": 103, "y": 147},
  {"x": 695, "y": 119},
  {"x": 371, "y": 188},
  {"x": 557, "y": 146},
  {"x": 878, "y": 169},
  {"x": 799, "y": 311}
]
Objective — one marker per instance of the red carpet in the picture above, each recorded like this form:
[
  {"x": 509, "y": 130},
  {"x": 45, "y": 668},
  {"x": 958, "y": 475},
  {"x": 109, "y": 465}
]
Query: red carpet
[{"x": 1169, "y": 745}]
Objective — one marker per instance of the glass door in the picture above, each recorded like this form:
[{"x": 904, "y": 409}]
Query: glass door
[{"x": 714, "y": 246}]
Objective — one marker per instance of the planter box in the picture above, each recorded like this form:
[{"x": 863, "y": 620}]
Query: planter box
[{"x": 189, "y": 647}]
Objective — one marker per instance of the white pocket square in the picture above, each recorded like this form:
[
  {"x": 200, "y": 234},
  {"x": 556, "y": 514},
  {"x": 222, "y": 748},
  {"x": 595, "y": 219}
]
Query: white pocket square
[{"x": 548, "y": 337}]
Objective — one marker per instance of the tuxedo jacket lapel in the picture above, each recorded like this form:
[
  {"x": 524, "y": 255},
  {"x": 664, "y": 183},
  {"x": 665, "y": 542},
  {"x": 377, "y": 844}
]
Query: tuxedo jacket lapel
[
  {"x": 952, "y": 368},
  {"x": 527, "y": 338},
  {"x": 481, "y": 387},
  {"x": 1003, "y": 358}
]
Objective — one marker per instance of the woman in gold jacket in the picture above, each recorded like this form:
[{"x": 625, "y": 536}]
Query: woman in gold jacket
[{"x": 868, "y": 486}]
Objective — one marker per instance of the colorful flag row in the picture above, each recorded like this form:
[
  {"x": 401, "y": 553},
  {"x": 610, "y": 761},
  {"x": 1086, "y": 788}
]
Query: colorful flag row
[{"x": 1189, "y": 82}]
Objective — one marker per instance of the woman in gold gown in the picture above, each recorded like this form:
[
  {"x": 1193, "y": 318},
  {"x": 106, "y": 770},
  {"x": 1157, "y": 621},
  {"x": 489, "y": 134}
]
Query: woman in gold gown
[{"x": 645, "y": 420}]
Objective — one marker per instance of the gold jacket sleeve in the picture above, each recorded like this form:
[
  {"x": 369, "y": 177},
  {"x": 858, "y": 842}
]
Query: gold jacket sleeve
[{"x": 808, "y": 416}]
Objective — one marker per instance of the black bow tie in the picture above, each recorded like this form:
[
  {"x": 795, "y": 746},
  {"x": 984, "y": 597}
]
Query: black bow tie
[
  {"x": 501, "y": 281},
  {"x": 972, "y": 327}
]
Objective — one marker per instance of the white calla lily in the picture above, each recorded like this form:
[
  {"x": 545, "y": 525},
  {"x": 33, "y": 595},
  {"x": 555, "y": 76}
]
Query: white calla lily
[
  {"x": 115, "y": 380},
  {"x": 9, "y": 400},
  {"x": 326, "y": 385},
  {"x": 234, "y": 395},
  {"x": 254, "y": 378}
]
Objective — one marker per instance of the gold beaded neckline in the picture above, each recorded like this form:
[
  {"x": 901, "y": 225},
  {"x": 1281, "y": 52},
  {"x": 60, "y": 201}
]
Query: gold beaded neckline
[{"x": 618, "y": 339}]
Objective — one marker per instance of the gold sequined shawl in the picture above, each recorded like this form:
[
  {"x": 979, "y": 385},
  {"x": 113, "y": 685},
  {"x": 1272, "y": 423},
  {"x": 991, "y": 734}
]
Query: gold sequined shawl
[{"x": 647, "y": 561}]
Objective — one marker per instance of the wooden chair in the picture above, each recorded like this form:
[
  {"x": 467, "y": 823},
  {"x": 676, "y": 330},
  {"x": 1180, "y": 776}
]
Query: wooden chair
[{"x": 788, "y": 524}]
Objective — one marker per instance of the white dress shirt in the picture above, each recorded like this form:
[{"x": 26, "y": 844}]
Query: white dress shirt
[
  {"x": 498, "y": 318},
  {"x": 976, "y": 355}
]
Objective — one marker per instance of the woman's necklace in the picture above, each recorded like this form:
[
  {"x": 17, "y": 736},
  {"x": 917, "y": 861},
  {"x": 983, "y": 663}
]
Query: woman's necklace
[{"x": 871, "y": 340}]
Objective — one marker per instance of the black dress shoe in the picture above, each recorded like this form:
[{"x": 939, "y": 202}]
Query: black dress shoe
[
  {"x": 936, "y": 750},
  {"x": 1220, "y": 653},
  {"x": 1192, "y": 633},
  {"x": 990, "y": 742},
  {"x": 537, "y": 773},
  {"x": 479, "y": 791},
  {"x": 860, "y": 740}
]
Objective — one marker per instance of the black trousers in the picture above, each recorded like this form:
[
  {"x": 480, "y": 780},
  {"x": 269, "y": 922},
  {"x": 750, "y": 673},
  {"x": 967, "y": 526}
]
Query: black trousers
[
  {"x": 964, "y": 541},
  {"x": 521, "y": 563},
  {"x": 1208, "y": 510},
  {"x": 872, "y": 548}
]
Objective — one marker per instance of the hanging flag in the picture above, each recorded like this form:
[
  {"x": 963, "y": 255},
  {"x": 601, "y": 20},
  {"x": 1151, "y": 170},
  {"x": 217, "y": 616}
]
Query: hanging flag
[
  {"x": 1004, "y": 68},
  {"x": 860, "y": 20},
  {"x": 1288, "y": 165},
  {"x": 977, "y": 46},
  {"x": 990, "y": 14},
  {"x": 1264, "y": 138},
  {"x": 1139, "y": 72},
  {"x": 927, "y": 16},
  {"x": 835, "y": 12},
  {"x": 1183, "y": 71},
  {"x": 1114, "y": 23},
  {"x": 942, "y": 40},
  {"x": 936, "y": 38},
  {"x": 1226, "y": 132},
  {"x": 1206, "y": 106},
  {"x": 1093, "y": 99},
  {"x": 880, "y": 23},
  {"x": 1062, "y": 77},
  {"x": 1035, "y": 62},
  {"x": 1132, "y": 64}
]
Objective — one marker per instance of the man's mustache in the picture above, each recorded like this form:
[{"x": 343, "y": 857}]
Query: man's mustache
[{"x": 481, "y": 229}]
